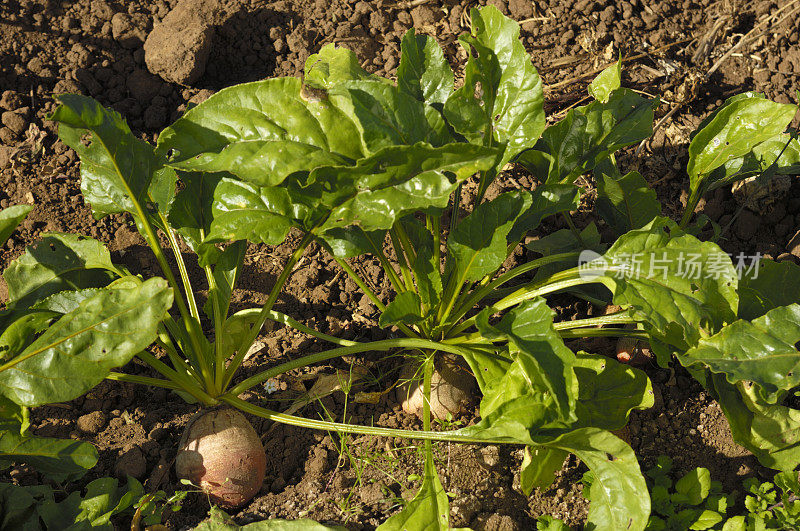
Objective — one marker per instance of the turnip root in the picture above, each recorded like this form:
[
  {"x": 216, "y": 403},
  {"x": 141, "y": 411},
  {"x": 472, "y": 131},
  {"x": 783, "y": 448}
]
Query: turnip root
[
  {"x": 221, "y": 452},
  {"x": 452, "y": 388}
]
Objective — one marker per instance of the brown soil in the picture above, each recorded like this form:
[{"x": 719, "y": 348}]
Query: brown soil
[{"x": 96, "y": 48}]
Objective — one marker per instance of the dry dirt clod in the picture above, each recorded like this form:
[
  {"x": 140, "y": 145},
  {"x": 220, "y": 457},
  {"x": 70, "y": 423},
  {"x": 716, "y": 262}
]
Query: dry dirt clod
[
  {"x": 131, "y": 463},
  {"x": 92, "y": 423},
  {"x": 177, "y": 49}
]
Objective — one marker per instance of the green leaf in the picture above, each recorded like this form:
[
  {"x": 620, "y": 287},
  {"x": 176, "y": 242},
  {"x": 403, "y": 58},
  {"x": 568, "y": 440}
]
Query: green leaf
[
  {"x": 261, "y": 132},
  {"x": 766, "y": 285},
  {"x": 428, "y": 511},
  {"x": 607, "y": 82},
  {"x": 548, "y": 523},
  {"x": 565, "y": 241},
  {"x": 679, "y": 287},
  {"x": 58, "y": 459},
  {"x": 426, "y": 266},
  {"x": 779, "y": 155},
  {"x": 423, "y": 72},
  {"x": 78, "y": 351},
  {"x": 191, "y": 212},
  {"x": 405, "y": 309},
  {"x": 608, "y": 391},
  {"x": 243, "y": 211},
  {"x": 116, "y": 167},
  {"x": 332, "y": 65},
  {"x": 548, "y": 200},
  {"x": 56, "y": 263},
  {"x": 396, "y": 181},
  {"x": 539, "y": 466},
  {"x": 736, "y": 523},
  {"x": 590, "y": 134},
  {"x": 734, "y": 131},
  {"x": 539, "y": 388},
  {"x": 706, "y": 520},
  {"x": 625, "y": 202},
  {"x": 347, "y": 242},
  {"x": 21, "y": 332},
  {"x": 225, "y": 273},
  {"x": 695, "y": 485},
  {"x": 387, "y": 116},
  {"x": 501, "y": 99},
  {"x": 761, "y": 351},
  {"x": 618, "y": 493},
  {"x": 478, "y": 244},
  {"x": 9, "y": 219}
]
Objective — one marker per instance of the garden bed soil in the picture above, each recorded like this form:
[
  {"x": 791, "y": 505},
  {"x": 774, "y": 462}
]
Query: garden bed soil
[{"x": 97, "y": 48}]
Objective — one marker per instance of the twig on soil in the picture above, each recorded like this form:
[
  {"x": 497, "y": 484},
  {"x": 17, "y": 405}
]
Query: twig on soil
[
  {"x": 411, "y": 3},
  {"x": 601, "y": 68},
  {"x": 749, "y": 35},
  {"x": 706, "y": 43},
  {"x": 535, "y": 19}
]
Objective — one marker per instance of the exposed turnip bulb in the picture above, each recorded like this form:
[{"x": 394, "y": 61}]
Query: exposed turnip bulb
[
  {"x": 452, "y": 388},
  {"x": 222, "y": 453}
]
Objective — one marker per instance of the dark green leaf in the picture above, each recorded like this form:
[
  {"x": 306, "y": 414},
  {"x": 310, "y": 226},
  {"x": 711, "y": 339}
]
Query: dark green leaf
[
  {"x": 58, "y": 262},
  {"x": 478, "y": 244},
  {"x": 539, "y": 465},
  {"x": 116, "y": 167},
  {"x": 423, "y": 72},
  {"x": 58, "y": 459},
  {"x": 501, "y": 99},
  {"x": 396, "y": 181},
  {"x": 346, "y": 242},
  {"x": 78, "y": 351},
  {"x": 426, "y": 266},
  {"x": 770, "y": 431},
  {"x": 625, "y": 202},
  {"x": 218, "y": 520},
  {"x": 405, "y": 309},
  {"x": 225, "y": 273},
  {"x": 387, "y": 117},
  {"x": 9, "y": 219},
  {"x": 565, "y": 241},
  {"x": 548, "y": 523},
  {"x": 761, "y": 351},
  {"x": 589, "y": 134},
  {"x": 548, "y": 199},
  {"x": 191, "y": 214},
  {"x": 21, "y": 332},
  {"x": 765, "y": 285}
]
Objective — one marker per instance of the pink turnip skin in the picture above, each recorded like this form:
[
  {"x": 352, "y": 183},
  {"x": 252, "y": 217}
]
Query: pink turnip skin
[{"x": 222, "y": 453}]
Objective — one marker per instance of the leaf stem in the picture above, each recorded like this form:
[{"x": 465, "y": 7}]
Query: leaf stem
[
  {"x": 340, "y": 427},
  {"x": 247, "y": 342},
  {"x": 279, "y": 317},
  {"x": 382, "y": 346}
]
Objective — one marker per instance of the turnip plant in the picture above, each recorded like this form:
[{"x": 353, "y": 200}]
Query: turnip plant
[{"x": 402, "y": 171}]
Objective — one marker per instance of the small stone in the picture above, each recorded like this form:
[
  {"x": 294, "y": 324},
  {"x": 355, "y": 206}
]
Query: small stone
[
  {"x": 92, "y": 423},
  {"x": 14, "y": 121},
  {"x": 131, "y": 463},
  {"x": 10, "y": 100}
]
